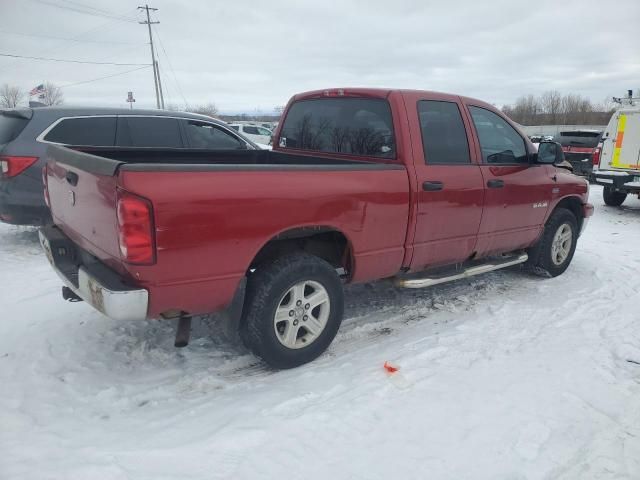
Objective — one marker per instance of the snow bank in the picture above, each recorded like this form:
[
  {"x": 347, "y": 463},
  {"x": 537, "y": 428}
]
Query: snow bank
[{"x": 505, "y": 376}]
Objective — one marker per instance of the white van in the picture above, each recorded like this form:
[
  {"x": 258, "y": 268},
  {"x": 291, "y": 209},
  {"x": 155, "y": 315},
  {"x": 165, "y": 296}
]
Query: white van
[{"x": 619, "y": 163}]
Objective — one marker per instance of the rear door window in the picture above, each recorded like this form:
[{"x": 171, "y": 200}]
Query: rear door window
[
  {"x": 357, "y": 126},
  {"x": 10, "y": 127},
  {"x": 158, "y": 132},
  {"x": 89, "y": 131},
  {"x": 444, "y": 138},
  {"x": 500, "y": 142},
  {"x": 208, "y": 136}
]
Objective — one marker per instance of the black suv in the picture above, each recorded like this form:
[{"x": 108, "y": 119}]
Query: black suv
[{"x": 25, "y": 134}]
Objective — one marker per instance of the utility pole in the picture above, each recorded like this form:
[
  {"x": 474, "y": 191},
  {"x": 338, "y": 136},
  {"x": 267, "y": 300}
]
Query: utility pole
[
  {"x": 153, "y": 53},
  {"x": 160, "y": 85}
]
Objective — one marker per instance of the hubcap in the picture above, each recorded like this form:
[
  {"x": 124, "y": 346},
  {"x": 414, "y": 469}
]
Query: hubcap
[
  {"x": 302, "y": 314},
  {"x": 561, "y": 245}
]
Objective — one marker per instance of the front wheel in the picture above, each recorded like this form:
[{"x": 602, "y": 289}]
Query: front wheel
[
  {"x": 554, "y": 251},
  {"x": 613, "y": 198},
  {"x": 293, "y": 309}
]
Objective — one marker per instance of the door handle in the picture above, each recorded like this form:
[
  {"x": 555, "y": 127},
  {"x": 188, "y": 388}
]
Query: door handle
[
  {"x": 433, "y": 186},
  {"x": 72, "y": 178},
  {"x": 493, "y": 183}
]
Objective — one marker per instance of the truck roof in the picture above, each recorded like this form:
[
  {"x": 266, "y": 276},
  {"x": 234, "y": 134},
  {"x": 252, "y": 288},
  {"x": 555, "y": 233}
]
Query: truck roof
[{"x": 380, "y": 93}]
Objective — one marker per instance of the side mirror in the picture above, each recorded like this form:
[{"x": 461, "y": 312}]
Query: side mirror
[{"x": 550, "y": 153}]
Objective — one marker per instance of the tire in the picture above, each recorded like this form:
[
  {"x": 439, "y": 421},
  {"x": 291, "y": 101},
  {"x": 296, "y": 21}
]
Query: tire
[
  {"x": 291, "y": 287},
  {"x": 551, "y": 256},
  {"x": 613, "y": 198}
]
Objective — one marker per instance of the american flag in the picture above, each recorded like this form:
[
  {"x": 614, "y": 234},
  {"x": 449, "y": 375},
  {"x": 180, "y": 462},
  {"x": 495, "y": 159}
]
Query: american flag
[{"x": 39, "y": 90}]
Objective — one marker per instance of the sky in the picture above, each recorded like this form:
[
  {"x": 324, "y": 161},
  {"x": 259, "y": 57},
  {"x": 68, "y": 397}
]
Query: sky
[{"x": 251, "y": 56}]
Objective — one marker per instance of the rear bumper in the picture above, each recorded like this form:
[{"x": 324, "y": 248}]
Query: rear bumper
[
  {"x": 582, "y": 163},
  {"x": 99, "y": 286},
  {"x": 618, "y": 180}
]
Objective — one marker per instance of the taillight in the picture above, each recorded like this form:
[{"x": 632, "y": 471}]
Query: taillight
[
  {"x": 135, "y": 229},
  {"x": 45, "y": 185},
  {"x": 10, "y": 166},
  {"x": 596, "y": 156}
]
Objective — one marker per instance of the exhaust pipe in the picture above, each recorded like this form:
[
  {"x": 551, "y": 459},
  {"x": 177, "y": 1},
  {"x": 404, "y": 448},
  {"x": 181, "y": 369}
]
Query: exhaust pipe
[{"x": 183, "y": 333}]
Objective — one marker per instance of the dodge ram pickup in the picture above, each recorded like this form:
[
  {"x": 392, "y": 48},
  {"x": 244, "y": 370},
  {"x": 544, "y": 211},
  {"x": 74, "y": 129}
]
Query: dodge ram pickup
[{"x": 362, "y": 184}]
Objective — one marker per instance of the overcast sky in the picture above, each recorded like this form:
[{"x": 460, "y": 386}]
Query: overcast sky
[{"x": 245, "y": 55}]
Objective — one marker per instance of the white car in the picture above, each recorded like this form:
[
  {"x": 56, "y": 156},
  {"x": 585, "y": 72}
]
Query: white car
[{"x": 254, "y": 133}]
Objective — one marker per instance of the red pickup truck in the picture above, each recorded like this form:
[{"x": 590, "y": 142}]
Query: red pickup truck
[{"x": 362, "y": 184}]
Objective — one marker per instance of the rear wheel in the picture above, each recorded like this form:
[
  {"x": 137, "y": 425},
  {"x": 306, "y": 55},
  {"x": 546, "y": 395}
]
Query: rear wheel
[
  {"x": 554, "y": 251},
  {"x": 613, "y": 198},
  {"x": 293, "y": 310}
]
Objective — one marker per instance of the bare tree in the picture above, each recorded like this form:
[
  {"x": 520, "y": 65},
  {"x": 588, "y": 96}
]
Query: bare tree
[
  {"x": 551, "y": 102},
  {"x": 526, "y": 108},
  {"x": 52, "y": 95},
  {"x": 553, "y": 108},
  {"x": 208, "y": 109},
  {"x": 10, "y": 96}
]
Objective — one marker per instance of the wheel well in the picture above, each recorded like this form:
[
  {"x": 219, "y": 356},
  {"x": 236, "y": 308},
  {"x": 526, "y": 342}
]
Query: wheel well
[
  {"x": 323, "y": 242},
  {"x": 573, "y": 204}
]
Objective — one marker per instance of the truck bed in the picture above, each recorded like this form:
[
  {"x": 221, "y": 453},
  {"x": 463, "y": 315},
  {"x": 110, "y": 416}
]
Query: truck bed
[{"x": 214, "y": 211}]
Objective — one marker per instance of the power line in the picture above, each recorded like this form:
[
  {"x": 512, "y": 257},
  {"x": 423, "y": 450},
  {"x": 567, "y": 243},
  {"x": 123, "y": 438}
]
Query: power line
[
  {"x": 72, "y": 61},
  {"x": 175, "y": 78},
  {"x": 89, "y": 31},
  {"x": 88, "y": 11},
  {"x": 102, "y": 78},
  {"x": 66, "y": 39}
]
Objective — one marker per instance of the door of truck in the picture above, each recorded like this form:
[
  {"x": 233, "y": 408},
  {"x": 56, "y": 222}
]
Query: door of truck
[
  {"x": 450, "y": 190},
  {"x": 517, "y": 193}
]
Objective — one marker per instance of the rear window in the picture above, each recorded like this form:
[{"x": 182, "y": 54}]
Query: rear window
[
  {"x": 94, "y": 131},
  {"x": 578, "y": 139},
  {"x": 149, "y": 132},
  {"x": 355, "y": 126},
  {"x": 10, "y": 127}
]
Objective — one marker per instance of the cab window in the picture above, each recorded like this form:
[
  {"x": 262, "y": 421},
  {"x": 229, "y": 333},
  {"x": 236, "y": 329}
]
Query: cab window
[
  {"x": 444, "y": 138},
  {"x": 500, "y": 142}
]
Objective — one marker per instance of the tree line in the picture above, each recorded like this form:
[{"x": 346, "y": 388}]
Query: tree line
[
  {"x": 554, "y": 108},
  {"x": 12, "y": 96}
]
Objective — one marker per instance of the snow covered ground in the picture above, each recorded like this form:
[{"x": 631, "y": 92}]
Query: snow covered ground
[{"x": 505, "y": 376}]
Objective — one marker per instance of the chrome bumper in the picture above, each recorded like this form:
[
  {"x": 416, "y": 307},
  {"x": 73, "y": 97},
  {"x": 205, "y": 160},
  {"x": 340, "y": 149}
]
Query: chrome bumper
[{"x": 119, "y": 304}]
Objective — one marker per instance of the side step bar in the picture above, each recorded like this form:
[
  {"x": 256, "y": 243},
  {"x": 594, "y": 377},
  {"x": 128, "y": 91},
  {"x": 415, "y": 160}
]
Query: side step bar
[{"x": 468, "y": 272}]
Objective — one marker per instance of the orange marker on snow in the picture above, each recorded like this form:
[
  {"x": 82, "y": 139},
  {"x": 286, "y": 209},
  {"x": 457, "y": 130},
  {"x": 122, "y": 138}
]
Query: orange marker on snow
[{"x": 390, "y": 368}]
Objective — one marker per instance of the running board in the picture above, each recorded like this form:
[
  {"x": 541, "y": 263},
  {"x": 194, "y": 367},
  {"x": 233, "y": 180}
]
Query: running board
[{"x": 468, "y": 272}]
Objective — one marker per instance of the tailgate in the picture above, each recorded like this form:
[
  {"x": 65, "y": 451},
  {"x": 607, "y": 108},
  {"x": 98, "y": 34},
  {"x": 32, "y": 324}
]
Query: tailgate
[{"x": 82, "y": 193}]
